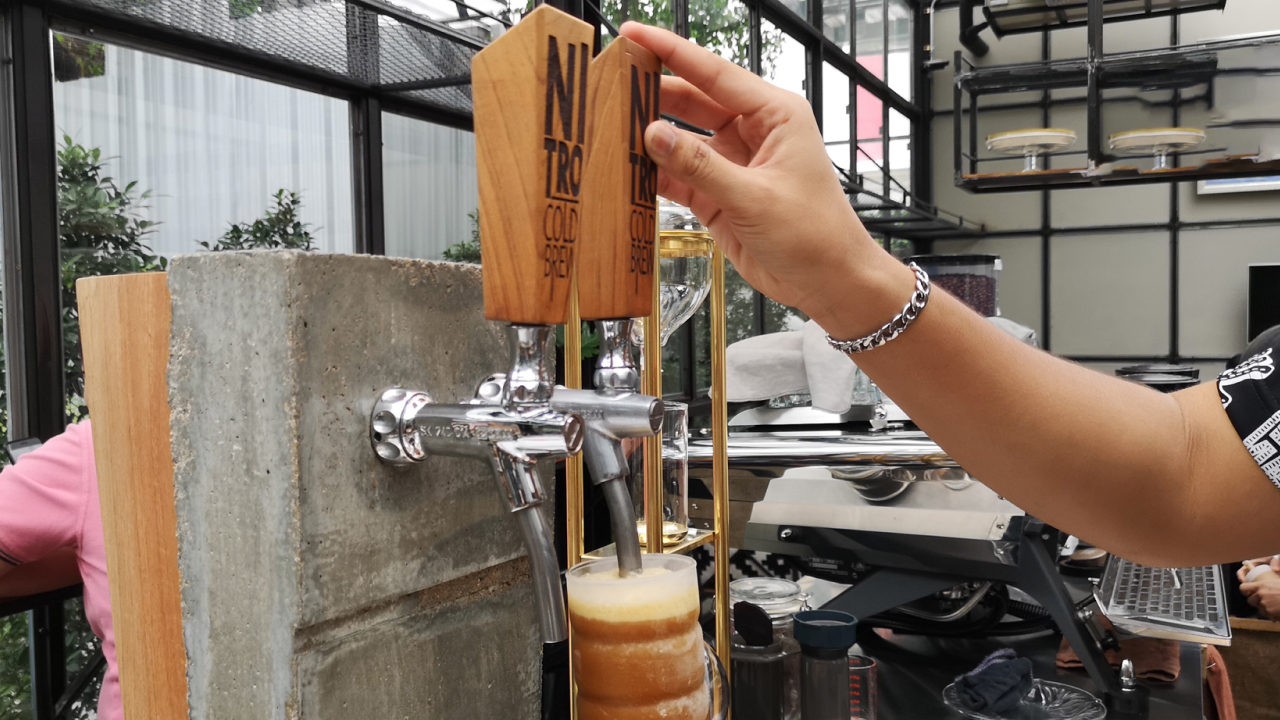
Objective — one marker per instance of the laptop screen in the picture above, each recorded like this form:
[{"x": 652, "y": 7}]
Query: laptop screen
[{"x": 1264, "y": 298}]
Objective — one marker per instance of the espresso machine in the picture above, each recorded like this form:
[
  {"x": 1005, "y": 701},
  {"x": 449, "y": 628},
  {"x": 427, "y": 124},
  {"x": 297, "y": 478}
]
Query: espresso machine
[
  {"x": 865, "y": 498},
  {"x": 560, "y": 155}
]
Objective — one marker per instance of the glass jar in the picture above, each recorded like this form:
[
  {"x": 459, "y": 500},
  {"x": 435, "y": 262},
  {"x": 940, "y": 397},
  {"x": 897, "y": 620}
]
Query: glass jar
[
  {"x": 675, "y": 478},
  {"x": 825, "y": 637},
  {"x": 781, "y": 600},
  {"x": 759, "y": 680},
  {"x": 971, "y": 278}
]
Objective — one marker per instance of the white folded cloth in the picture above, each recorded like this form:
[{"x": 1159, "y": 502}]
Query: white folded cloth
[
  {"x": 789, "y": 363},
  {"x": 765, "y": 366},
  {"x": 830, "y": 372}
]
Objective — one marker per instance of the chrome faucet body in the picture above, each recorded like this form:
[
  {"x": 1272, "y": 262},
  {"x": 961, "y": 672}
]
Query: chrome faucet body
[
  {"x": 614, "y": 411},
  {"x": 511, "y": 430}
]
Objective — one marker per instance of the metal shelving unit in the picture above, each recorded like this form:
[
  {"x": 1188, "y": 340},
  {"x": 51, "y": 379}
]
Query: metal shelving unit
[
  {"x": 1168, "y": 69},
  {"x": 1024, "y": 16}
]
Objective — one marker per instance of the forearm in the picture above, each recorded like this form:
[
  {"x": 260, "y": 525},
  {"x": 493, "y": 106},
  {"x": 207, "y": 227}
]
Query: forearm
[
  {"x": 1099, "y": 457},
  {"x": 53, "y": 572}
]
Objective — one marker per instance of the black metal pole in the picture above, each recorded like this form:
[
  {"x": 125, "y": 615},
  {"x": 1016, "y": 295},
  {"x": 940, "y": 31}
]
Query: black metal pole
[
  {"x": 48, "y": 659},
  {"x": 922, "y": 96},
  {"x": 367, "y": 178},
  {"x": 364, "y": 62},
  {"x": 33, "y": 280},
  {"x": 1095, "y": 55},
  {"x": 1046, "y": 217},
  {"x": 1175, "y": 220}
]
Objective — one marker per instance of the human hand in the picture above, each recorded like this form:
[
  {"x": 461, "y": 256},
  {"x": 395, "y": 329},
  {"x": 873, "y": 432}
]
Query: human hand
[
  {"x": 1265, "y": 596},
  {"x": 1273, "y": 561},
  {"x": 763, "y": 185}
]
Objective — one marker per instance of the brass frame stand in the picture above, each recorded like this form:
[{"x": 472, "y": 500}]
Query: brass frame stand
[{"x": 671, "y": 244}]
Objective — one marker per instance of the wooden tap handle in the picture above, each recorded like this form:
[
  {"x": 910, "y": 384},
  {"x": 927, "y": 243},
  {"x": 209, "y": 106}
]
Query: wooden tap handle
[
  {"x": 529, "y": 92},
  {"x": 620, "y": 186}
]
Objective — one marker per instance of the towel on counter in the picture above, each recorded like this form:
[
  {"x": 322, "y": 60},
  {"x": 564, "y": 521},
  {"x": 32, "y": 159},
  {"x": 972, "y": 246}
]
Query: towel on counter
[
  {"x": 830, "y": 373},
  {"x": 997, "y": 685},
  {"x": 765, "y": 366},
  {"x": 1153, "y": 660},
  {"x": 1219, "y": 684}
]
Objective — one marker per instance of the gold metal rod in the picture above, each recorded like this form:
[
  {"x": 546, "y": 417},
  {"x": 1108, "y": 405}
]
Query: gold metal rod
[
  {"x": 653, "y": 386},
  {"x": 720, "y": 456},
  {"x": 573, "y": 466},
  {"x": 573, "y": 501}
]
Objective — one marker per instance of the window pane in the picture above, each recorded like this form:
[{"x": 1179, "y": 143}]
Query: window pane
[
  {"x": 780, "y": 318},
  {"x": 835, "y": 22},
  {"x": 430, "y": 191},
  {"x": 871, "y": 148},
  {"x": 650, "y": 12},
  {"x": 799, "y": 7},
  {"x": 673, "y": 363},
  {"x": 724, "y": 27},
  {"x": 160, "y": 155},
  {"x": 899, "y": 154},
  {"x": 787, "y": 60},
  {"x": 869, "y": 27},
  {"x": 898, "y": 70},
  {"x": 835, "y": 114},
  {"x": 83, "y": 650}
]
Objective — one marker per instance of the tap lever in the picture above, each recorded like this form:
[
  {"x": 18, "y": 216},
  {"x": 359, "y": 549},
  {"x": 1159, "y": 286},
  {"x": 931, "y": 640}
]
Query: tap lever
[
  {"x": 620, "y": 185},
  {"x": 529, "y": 93}
]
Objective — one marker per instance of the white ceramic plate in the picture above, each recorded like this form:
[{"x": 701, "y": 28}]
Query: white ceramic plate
[
  {"x": 1150, "y": 141},
  {"x": 1036, "y": 140}
]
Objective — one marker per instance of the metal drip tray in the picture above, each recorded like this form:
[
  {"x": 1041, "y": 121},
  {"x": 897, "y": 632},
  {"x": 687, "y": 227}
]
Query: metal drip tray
[
  {"x": 886, "y": 484},
  {"x": 1186, "y": 604}
]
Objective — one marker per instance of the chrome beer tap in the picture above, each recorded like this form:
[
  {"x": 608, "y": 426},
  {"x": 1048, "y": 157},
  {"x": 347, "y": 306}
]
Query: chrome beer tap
[
  {"x": 614, "y": 411},
  {"x": 511, "y": 434}
]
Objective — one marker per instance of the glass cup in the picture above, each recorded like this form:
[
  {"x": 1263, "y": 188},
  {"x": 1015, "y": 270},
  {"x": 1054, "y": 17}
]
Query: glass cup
[
  {"x": 675, "y": 477},
  {"x": 638, "y": 649}
]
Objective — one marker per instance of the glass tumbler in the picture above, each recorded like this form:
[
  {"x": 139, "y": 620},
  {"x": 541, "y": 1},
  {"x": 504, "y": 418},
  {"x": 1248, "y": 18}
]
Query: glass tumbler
[
  {"x": 675, "y": 477},
  {"x": 637, "y": 643}
]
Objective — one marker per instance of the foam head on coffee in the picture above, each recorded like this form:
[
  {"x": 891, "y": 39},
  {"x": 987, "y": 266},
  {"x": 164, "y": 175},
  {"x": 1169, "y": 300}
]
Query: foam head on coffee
[{"x": 656, "y": 593}]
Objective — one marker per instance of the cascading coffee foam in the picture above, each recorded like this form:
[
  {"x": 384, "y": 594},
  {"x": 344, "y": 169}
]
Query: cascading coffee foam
[{"x": 637, "y": 646}]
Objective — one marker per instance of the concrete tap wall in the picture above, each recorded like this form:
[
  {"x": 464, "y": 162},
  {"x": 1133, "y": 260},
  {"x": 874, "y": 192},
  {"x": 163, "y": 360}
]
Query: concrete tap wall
[{"x": 318, "y": 583}]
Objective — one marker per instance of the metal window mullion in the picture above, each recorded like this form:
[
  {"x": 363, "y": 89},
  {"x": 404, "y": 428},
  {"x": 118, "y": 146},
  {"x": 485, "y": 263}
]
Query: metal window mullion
[
  {"x": 922, "y": 95},
  {"x": 367, "y": 176},
  {"x": 755, "y": 41},
  {"x": 364, "y": 62},
  {"x": 47, "y": 636},
  {"x": 680, "y": 17},
  {"x": 1175, "y": 220},
  {"x": 33, "y": 280}
]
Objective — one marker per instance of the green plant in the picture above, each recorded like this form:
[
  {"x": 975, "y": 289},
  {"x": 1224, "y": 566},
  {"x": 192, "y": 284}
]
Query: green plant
[
  {"x": 101, "y": 231},
  {"x": 279, "y": 229},
  {"x": 722, "y": 26},
  {"x": 590, "y": 340},
  {"x": 75, "y": 58},
  {"x": 467, "y": 251},
  {"x": 15, "y": 668}
]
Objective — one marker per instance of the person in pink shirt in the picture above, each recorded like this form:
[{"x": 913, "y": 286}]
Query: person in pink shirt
[{"x": 51, "y": 537}]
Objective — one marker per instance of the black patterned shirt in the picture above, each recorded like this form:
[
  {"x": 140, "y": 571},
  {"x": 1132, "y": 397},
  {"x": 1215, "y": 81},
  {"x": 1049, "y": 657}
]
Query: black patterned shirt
[{"x": 1248, "y": 389}]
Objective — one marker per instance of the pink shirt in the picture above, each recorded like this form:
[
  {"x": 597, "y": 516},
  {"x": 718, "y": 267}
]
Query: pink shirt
[{"x": 49, "y": 501}]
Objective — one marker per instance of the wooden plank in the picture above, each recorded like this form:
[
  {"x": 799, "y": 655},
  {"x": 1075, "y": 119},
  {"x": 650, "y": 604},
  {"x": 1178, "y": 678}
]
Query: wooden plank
[
  {"x": 1255, "y": 624},
  {"x": 529, "y": 90},
  {"x": 620, "y": 185},
  {"x": 124, "y": 323}
]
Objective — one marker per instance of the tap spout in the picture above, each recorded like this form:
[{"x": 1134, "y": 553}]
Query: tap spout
[{"x": 545, "y": 570}]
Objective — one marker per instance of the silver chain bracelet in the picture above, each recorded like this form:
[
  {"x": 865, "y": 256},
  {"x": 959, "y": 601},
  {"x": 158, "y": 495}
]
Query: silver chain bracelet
[{"x": 894, "y": 327}]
